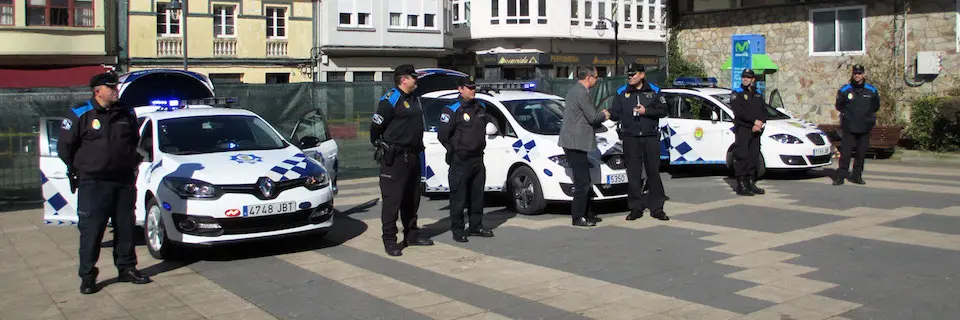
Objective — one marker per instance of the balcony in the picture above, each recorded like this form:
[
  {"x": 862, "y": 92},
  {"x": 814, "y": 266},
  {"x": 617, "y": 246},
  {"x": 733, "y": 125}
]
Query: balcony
[
  {"x": 225, "y": 47},
  {"x": 169, "y": 47},
  {"x": 276, "y": 48}
]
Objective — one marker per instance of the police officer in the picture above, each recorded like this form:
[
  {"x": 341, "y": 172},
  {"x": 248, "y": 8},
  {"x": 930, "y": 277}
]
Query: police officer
[
  {"x": 750, "y": 117},
  {"x": 397, "y": 132},
  {"x": 98, "y": 144},
  {"x": 463, "y": 133},
  {"x": 638, "y": 107},
  {"x": 858, "y": 103}
]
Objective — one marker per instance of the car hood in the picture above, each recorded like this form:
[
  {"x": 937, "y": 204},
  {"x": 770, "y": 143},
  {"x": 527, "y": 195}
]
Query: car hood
[
  {"x": 242, "y": 167},
  {"x": 791, "y": 126}
]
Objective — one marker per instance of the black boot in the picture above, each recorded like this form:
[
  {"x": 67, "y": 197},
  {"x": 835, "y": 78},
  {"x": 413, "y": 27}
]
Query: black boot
[
  {"x": 393, "y": 249},
  {"x": 743, "y": 187},
  {"x": 752, "y": 184},
  {"x": 635, "y": 214},
  {"x": 481, "y": 232},
  {"x": 856, "y": 178},
  {"x": 88, "y": 284},
  {"x": 659, "y": 215},
  {"x": 417, "y": 240},
  {"x": 133, "y": 275}
]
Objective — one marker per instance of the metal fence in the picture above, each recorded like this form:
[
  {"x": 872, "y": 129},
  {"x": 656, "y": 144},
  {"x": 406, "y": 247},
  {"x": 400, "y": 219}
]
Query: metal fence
[{"x": 347, "y": 106}]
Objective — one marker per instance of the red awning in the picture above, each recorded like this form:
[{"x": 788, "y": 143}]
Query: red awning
[{"x": 48, "y": 77}]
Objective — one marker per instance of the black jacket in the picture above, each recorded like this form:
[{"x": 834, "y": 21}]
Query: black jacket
[
  {"x": 628, "y": 97},
  {"x": 858, "y": 106},
  {"x": 748, "y": 106},
  {"x": 398, "y": 121},
  {"x": 100, "y": 143},
  {"x": 463, "y": 128}
]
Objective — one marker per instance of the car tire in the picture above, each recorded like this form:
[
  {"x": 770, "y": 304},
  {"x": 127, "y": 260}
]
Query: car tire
[
  {"x": 525, "y": 192},
  {"x": 155, "y": 233}
]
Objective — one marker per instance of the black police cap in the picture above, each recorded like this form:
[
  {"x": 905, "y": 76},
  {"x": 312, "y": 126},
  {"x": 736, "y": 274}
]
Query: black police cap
[
  {"x": 748, "y": 73},
  {"x": 405, "y": 70},
  {"x": 858, "y": 69},
  {"x": 104, "y": 79},
  {"x": 634, "y": 68},
  {"x": 466, "y": 82}
]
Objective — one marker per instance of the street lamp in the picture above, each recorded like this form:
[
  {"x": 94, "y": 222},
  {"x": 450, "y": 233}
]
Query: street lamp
[
  {"x": 177, "y": 6},
  {"x": 601, "y": 27}
]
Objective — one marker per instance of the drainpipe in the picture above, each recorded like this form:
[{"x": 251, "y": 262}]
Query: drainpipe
[{"x": 906, "y": 79}]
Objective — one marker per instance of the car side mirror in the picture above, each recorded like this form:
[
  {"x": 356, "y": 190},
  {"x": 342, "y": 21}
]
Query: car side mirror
[
  {"x": 714, "y": 116},
  {"x": 491, "y": 129},
  {"x": 309, "y": 142}
]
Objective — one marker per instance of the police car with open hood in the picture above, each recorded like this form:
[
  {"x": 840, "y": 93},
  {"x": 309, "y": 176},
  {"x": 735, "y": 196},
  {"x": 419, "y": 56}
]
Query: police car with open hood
[
  {"x": 699, "y": 131},
  {"x": 210, "y": 175},
  {"x": 522, "y": 157}
]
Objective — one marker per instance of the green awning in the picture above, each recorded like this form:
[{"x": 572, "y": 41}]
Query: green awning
[{"x": 761, "y": 63}]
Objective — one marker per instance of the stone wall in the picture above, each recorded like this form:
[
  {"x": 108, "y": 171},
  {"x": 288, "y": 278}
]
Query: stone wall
[{"x": 808, "y": 83}]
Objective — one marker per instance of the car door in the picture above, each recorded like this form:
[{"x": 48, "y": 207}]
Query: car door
[
  {"x": 312, "y": 135},
  {"x": 499, "y": 148},
  {"x": 696, "y": 132},
  {"x": 434, "y": 166},
  {"x": 776, "y": 101},
  {"x": 60, "y": 205}
]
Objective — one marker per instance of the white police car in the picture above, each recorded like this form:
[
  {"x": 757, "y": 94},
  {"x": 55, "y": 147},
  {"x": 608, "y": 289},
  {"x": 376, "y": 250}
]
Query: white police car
[
  {"x": 522, "y": 156},
  {"x": 699, "y": 131},
  {"x": 210, "y": 175}
]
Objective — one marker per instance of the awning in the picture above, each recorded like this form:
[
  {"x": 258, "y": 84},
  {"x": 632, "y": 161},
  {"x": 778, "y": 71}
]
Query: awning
[
  {"x": 761, "y": 63},
  {"x": 48, "y": 77}
]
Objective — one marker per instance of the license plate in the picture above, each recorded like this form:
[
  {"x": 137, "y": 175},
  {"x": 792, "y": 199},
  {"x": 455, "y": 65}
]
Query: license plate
[
  {"x": 269, "y": 209},
  {"x": 617, "y": 178},
  {"x": 822, "y": 151}
]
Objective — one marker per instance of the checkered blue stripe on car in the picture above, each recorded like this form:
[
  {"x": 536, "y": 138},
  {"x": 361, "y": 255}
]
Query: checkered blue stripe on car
[
  {"x": 524, "y": 148},
  {"x": 293, "y": 168},
  {"x": 57, "y": 202}
]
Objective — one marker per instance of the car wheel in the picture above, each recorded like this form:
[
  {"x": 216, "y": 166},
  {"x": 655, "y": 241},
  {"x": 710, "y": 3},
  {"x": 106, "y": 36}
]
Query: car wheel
[
  {"x": 155, "y": 233},
  {"x": 526, "y": 192}
]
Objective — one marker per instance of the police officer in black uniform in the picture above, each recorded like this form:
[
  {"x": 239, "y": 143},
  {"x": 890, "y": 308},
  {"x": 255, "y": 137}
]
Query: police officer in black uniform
[
  {"x": 858, "y": 103},
  {"x": 98, "y": 144},
  {"x": 638, "y": 107},
  {"x": 750, "y": 117},
  {"x": 463, "y": 133},
  {"x": 397, "y": 133}
]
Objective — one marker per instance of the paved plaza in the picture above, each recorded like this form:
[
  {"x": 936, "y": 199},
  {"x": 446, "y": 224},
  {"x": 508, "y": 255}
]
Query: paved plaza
[{"x": 805, "y": 250}]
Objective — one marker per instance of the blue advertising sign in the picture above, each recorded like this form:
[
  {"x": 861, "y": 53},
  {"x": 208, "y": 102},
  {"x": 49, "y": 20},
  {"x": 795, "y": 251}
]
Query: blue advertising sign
[{"x": 742, "y": 57}]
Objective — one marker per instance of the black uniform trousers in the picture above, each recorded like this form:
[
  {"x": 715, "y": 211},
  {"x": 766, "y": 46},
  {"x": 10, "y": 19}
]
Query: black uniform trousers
[
  {"x": 467, "y": 179},
  {"x": 746, "y": 152},
  {"x": 860, "y": 141},
  {"x": 580, "y": 165},
  {"x": 400, "y": 189},
  {"x": 643, "y": 156},
  {"x": 98, "y": 201}
]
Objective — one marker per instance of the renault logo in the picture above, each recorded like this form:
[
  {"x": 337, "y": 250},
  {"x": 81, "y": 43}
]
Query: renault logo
[{"x": 266, "y": 187}]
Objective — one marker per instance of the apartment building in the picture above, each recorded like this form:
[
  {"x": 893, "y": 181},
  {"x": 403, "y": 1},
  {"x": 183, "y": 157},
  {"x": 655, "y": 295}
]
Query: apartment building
[
  {"x": 364, "y": 40},
  {"x": 232, "y": 41},
  {"x": 526, "y": 39},
  {"x": 55, "y": 43},
  {"x": 909, "y": 46}
]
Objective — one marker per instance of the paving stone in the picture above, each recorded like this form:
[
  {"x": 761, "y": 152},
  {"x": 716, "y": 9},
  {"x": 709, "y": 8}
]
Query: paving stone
[
  {"x": 761, "y": 218},
  {"x": 928, "y": 222}
]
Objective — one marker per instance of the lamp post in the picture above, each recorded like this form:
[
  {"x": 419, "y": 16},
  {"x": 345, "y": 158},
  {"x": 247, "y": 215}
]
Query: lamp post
[
  {"x": 601, "y": 27},
  {"x": 181, "y": 6}
]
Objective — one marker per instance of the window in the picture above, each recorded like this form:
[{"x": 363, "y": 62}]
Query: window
[
  {"x": 224, "y": 20},
  {"x": 837, "y": 31},
  {"x": 540, "y": 116},
  {"x": 276, "y": 22},
  {"x": 542, "y": 11},
  {"x": 146, "y": 141},
  {"x": 355, "y": 13},
  {"x": 210, "y": 134},
  {"x": 167, "y": 23},
  {"x": 574, "y": 12},
  {"x": 461, "y": 13},
  {"x": 518, "y": 11},
  {"x": 588, "y": 14},
  {"x": 363, "y": 76},
  {"x": 278, "y": 78},
  {"x": 363, "y": 19},
  {"x": 695, "y": 108},
  {"x": 394, "y": 19},
  {"x": 224, "y": 78},
  {"x": 412, "y": 20},
  {"x": 503, "y": 126},
  {"x": 345, "y": 18},
  {"x": 428, "y": 20},
  {"x": 627, "y": 17},
  {"x": 495, "y": 11},
  {"x": 6, "y": 12},
  {"x": 312, "y": 125},
  {"x": 55, "y": 13},
  {"x": 601, "y": 10},
  {"x": 336, "y": 76}
]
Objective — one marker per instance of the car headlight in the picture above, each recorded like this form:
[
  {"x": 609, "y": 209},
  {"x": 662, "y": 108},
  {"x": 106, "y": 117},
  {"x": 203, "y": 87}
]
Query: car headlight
[
  {"x": 192, "y": 188},
  {"x": 318, "y": 181},
  {"x": 560, "y": 160},
  {"x": 786, "y": 138}
]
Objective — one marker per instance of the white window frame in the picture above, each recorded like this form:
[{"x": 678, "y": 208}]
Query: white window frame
[
  {"x": 836, "y": 32},
  {"x": 531, "y": 16},
  {"x": 355, "y": 16},
  {"x": 438, "y": 18},
  {"x": 168, "y": 22},
  {"x": 286, "y": 21},
  {"x": 460, "y": 10},
  {"x": 219, "y": 14}
]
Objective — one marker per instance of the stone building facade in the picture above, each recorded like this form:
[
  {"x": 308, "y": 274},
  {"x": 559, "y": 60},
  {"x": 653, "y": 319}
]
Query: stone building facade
[{"x": 808, "y": 81}]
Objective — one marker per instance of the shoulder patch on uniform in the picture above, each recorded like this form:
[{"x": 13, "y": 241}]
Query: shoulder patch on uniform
[
  {"x": 444, "y": 117},
  {"x": 79, "y": 111},
  {"x": 870, "y": 87},
  {"x": 845, "y": 87},
  {"x": 454, "y": 106},
  {"x": 377, "y": 118},
  {"x": 66, "y": 124},
  {"x": 622, "y": 89},
  {"x": 654, "y": 87},
  {"x": 738, "y": 89},
  {"x": 392, "y": 96}
]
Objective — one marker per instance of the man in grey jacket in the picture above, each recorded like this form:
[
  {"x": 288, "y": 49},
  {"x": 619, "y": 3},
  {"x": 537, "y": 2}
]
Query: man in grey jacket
[{"x": 577, "y": 138}]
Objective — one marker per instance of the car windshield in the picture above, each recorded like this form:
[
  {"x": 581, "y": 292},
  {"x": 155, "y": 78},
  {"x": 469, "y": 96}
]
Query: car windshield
[
  {"x": 540, "y": 116},
  {"x": 772, "y": 113},
  {"x": 209, "y": 134}
]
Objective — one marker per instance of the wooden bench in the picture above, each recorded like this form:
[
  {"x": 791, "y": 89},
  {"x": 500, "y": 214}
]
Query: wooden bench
[{"x": 883, "y": 139}]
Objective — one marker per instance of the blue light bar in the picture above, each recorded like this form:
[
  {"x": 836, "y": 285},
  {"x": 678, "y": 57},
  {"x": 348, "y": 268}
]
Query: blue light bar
[
  {"x": 695, "y": 82},
  {"x": 508, "y": 85}
]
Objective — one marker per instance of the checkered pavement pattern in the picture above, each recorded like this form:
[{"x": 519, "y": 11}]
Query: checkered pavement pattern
[{"x": 293, "y": 168}]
